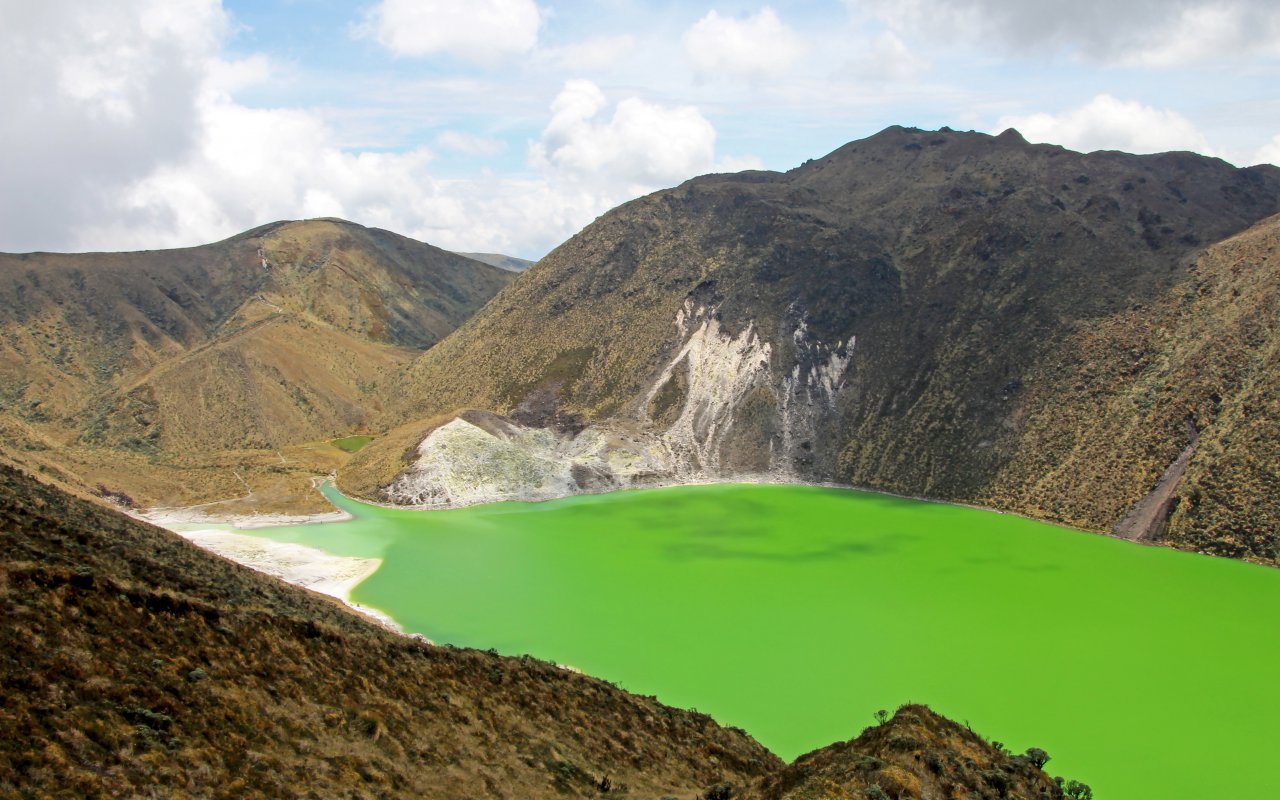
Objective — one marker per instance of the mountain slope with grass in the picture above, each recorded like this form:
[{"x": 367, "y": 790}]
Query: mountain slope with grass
[
  {"x": 134, "y": 664},
  {"x": 509, "y": 263},
  {"x": 1176, "y": 402},
  {"x": 273, "y": 338},
  {"x": 888, "y": 316}
]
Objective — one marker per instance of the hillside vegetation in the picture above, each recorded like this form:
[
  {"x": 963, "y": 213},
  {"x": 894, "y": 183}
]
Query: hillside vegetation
[
  {"x": 907, "y": 313},
  {"x": 134, "y": 663},
  {"x": 916, "y": 753},
  {"x": 1199, "y": 367},
  {"x": 125, "y": 367}
]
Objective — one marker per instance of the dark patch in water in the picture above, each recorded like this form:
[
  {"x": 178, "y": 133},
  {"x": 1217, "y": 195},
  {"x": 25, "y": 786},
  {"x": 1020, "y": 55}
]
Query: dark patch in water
[{"x": 692, "y": 550}]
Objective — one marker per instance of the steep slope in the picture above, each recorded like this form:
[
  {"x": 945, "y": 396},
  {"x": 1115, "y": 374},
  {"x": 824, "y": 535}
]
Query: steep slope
[
  {"x": 274, "y": 337},
  {"x": 877, "y": 316},
  {"x": 134, "y": 664},
  {"x": 1186, "y": 390}
]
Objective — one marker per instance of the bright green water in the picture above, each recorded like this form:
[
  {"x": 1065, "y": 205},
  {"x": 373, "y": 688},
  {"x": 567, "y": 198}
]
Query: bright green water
[{"x": 796, "y": 612}]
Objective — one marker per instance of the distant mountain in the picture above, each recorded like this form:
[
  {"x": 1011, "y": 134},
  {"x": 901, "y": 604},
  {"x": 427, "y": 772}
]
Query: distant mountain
[
  {"x": 906, "y": 313},
  {"x": 133, "y": 663},
  {"x": 510, "y": 263},
  {"x": 127, "y": 362}
]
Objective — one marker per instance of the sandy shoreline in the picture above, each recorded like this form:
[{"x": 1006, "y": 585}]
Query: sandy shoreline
[
  {"x": 193, "y": 515},
  {"x": 308, "y": 567}
]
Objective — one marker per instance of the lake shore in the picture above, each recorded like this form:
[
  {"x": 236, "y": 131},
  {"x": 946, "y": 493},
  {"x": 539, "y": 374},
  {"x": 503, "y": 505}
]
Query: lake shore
[
  {"x": 172, "y": 517},
  {"x": 307, "y": 567},
  {"x": 752, "y": 479}
]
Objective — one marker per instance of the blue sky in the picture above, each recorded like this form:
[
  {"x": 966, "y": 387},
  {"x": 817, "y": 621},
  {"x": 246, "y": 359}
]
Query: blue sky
[{"x": 507, "y": 125}]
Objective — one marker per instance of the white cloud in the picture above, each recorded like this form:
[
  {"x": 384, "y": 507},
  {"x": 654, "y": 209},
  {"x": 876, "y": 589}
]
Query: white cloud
[
  {"x": 737, "y": 164},
  {"x": 887, "y": 58},
  {"x": 253, "y": 166},
  {"x": 1106, "y": 123},
  {"x": 1269, "y": 153},
  {"x": 123, "y": 131},
  {"x": 95, "y": 96},
  {"x": 257, "y": 165},
  {"x": 1196, "y": 34},
  {"x": 755, "y": 47},
  {"x": 642, "y": 146},
  {"x": 469, "y": 143},
  {"x": 483, "y": 31},
  {"x": 1156, "y": 33},
  {"x": 591, "y": 54}
]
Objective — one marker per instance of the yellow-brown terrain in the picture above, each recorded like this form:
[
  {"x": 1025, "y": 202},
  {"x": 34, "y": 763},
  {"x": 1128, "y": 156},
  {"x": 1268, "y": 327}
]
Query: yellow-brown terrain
[{"x": 198, "y": 374}]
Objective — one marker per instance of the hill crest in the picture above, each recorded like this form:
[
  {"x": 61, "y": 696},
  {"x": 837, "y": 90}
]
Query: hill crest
[{"x": 275, "y": 337}]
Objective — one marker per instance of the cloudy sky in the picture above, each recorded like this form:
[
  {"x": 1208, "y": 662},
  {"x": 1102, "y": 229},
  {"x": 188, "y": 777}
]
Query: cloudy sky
[{"x": 507, "y": 125}]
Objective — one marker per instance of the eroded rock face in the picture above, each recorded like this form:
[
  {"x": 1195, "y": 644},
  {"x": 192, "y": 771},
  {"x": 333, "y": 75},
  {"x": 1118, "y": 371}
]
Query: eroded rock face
[
  {"x": 720, "y": 372},
  {"x": 725, "y": 406},
  {"x": 461, "y": 463},
  {"x": 809, "y": 410}
]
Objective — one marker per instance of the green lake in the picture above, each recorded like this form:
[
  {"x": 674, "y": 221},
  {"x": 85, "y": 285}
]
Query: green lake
[{"x": 796, "y": 612}]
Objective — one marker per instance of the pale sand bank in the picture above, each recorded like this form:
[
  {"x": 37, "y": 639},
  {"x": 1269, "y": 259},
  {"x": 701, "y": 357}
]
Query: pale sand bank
[
  {"x": 193, "y": 515},
  {"x": 308, "y": 567}
]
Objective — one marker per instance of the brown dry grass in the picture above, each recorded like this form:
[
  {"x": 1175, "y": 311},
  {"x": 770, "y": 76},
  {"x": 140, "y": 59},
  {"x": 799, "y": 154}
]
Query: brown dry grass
[
  {"x": 1109, "y": 413},
  {"x": 186, "y": 360},
  {"x": 133, "y": 663},
  {"x": 915, "y": 755}
]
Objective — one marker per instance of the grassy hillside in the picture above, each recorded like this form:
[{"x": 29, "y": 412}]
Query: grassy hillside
[
  {"x": 133, "y": 662},
  {"x": 276, "y": 337},
  {"x": 911, "y": 293},
  {"x": 1124, "y": 395},
  {"x": 916, "y": 753}
]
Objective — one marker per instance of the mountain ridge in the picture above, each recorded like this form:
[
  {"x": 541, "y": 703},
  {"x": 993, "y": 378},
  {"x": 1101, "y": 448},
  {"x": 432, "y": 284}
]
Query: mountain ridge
[
  {"x": 510, "y": 263},
  {"x": 870, "y": 317},
  {"x": 272, "y": 338}
]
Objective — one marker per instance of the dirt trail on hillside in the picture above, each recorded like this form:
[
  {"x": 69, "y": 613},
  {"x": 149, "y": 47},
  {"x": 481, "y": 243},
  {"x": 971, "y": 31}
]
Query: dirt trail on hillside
[{"x": 1150, "y": 515}]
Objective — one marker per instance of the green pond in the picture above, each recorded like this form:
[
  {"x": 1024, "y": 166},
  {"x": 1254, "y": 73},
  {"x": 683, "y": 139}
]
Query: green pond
[
  {"x": 796, "y": 612},
  {"x": 351, "y": 444}
]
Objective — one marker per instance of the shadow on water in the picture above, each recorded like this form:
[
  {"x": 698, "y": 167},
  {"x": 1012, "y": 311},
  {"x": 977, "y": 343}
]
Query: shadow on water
[{"x": 884, "y": 545}]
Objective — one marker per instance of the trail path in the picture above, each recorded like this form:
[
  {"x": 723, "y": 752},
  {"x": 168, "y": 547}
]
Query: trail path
[{"x": 1149, "y": 516}]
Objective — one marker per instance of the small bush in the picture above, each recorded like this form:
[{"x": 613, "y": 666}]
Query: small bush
[
  {"x": 1037, "y": 757},
  {"x": 874, "y": 792}
]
